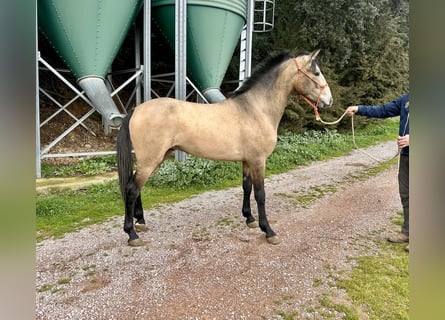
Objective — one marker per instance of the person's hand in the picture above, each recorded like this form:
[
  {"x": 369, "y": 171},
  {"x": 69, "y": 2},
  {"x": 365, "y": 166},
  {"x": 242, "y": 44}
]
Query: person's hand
[
  {"x": 351, "y": 110},
  {"x": 403, "y": 141}
]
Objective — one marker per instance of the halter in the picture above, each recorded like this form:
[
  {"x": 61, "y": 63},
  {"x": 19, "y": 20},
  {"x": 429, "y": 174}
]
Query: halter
[{"x": 309, "y": 102}]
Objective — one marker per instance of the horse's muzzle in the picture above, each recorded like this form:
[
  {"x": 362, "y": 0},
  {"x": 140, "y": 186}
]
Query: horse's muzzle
[{"x": 322, "y": 104}]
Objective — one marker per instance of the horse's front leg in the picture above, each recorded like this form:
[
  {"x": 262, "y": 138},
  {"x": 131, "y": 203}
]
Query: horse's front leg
[
  {"x": 247, "y": 190},
  {"x": 260, "y": 197}
]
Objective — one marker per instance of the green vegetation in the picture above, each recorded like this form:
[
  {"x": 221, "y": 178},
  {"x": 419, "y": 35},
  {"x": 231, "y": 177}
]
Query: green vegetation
[
  {"x": 54, "y": 287},
  {"x": 202, "y": 234},
  {"x": 287, "y": 316},
  {"x": 376, "y": 288},
  {"x": 305, "y": 198},
  {"x": 92, "y": 166},
  {"x": 378, "y": 285}
]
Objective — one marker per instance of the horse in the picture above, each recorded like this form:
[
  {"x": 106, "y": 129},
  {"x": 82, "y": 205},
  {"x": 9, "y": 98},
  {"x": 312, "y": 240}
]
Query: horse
[{"x": 241, "y": 128}]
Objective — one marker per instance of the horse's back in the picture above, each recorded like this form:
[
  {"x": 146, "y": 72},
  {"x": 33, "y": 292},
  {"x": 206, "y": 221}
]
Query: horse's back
[{"x": 166, "y": 111}]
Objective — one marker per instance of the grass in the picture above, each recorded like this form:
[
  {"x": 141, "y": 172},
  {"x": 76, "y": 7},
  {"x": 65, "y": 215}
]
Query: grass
[
  {"x": 376, "y": 288},
  {"x": 67, "y": 211},
  {"x": 91, "y": 167},
  {"x": 305, "y": 198},
  {"x": 378, "y": 285},
  {"x": 55, "y": 287}
]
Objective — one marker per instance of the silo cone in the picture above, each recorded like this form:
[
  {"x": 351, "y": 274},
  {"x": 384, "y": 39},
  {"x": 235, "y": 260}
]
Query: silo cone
[
  {"x": 213, "y": 31},
  {"x": 87, "y": 35}
]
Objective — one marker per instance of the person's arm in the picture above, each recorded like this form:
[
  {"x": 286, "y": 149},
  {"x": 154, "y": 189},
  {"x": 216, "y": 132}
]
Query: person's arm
[{"x": 390, "y": 109}]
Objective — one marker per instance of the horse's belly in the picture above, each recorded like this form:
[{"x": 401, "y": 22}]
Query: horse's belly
[{"x": 214, "y": 149}]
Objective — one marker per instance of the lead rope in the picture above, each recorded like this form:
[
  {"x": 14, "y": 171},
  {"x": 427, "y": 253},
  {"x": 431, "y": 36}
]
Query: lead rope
[
  {"x": 363, "y": 151},
  {"x": 318, "y": 118}
]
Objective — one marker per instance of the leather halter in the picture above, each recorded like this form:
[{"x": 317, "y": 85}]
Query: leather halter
[{"x": 297, "y": 88}]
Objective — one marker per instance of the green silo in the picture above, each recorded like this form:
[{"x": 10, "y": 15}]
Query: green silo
[
  {"x": 87, "y": 35},
  {"x": 213, "y": 31}
]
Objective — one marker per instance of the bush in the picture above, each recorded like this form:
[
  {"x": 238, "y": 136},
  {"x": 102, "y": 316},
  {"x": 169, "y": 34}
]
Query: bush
[{"x": 194, "y": 172}]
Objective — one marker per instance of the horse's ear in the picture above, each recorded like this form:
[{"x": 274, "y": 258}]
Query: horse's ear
[{"x": 315, "y": 54}]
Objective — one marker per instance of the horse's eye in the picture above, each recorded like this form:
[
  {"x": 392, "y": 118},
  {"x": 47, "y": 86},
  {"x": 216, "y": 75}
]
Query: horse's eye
[{"x": 316, "y": 73}]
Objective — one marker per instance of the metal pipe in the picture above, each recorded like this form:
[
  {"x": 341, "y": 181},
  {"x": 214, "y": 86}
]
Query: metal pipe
[
  {"x": 213, "y": 95},
  {"x": 147, "y": 50},
  {"x": 137, "y": 59},
  {"x": 123, "y": 85},
  {"x": 62, "y": 109},
  {"x": 64, "y": 80},
  {"x": 180, "y": 58},
  {"x": 100, "y": 97},
  {"x": 78, "y": 154},
  {"x": 38, "y": 162}
]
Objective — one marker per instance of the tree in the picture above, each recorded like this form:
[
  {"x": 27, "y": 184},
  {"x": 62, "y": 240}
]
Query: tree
[{"x": 364, "y": 47}]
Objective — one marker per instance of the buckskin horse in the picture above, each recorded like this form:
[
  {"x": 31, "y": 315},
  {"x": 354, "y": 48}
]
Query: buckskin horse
[{"x": 241, "y": 128}]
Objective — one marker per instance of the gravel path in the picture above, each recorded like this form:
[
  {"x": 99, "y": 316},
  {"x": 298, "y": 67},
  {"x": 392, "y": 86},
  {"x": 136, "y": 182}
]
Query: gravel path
[{"x": 201, "y": 261}]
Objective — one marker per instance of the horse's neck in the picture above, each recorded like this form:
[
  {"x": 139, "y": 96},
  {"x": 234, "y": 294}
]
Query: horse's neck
[{"x": 275, "y": 100}]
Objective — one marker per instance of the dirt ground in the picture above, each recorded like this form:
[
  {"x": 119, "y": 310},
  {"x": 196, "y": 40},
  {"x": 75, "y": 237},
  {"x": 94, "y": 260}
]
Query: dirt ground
[{"x": 201, "y": 261}]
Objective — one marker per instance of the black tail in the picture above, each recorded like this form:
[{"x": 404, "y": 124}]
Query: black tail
[{"x": 124, "y": 156}]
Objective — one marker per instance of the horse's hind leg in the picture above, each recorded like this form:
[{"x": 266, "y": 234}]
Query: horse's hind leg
[
  {"x": 247, "y": 190},
  {"x": 139, "y": 215},
  {"x": 133, "y": 205},
  {"x": 138, "y": 210},
  {"x": 260, "y": 197},
  {"x": 132, "y": 193}
]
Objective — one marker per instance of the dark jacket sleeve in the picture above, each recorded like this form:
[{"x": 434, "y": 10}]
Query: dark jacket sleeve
[
  {"x": 391, "y": 109},
  {"x": 398, "y": 107}
]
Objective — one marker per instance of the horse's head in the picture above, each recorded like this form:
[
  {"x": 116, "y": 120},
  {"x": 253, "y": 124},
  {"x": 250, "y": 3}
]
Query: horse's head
[{"x": 310, "y": 82}]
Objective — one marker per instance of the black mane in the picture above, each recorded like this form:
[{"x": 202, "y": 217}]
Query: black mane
[{"x": 263, "y": 74}]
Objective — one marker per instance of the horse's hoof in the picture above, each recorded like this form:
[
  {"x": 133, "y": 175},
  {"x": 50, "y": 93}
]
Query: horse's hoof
[
  {"x": 135, "y": 242},
  {"x": 253, "y": 224},
  {"x": 274, "y": 240},
  {"x": 141, "y": 227}
]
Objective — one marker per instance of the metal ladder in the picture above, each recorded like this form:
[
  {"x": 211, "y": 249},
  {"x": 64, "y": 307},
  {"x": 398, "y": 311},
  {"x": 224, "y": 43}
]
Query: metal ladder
[{"x": 260, "y": 18}]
